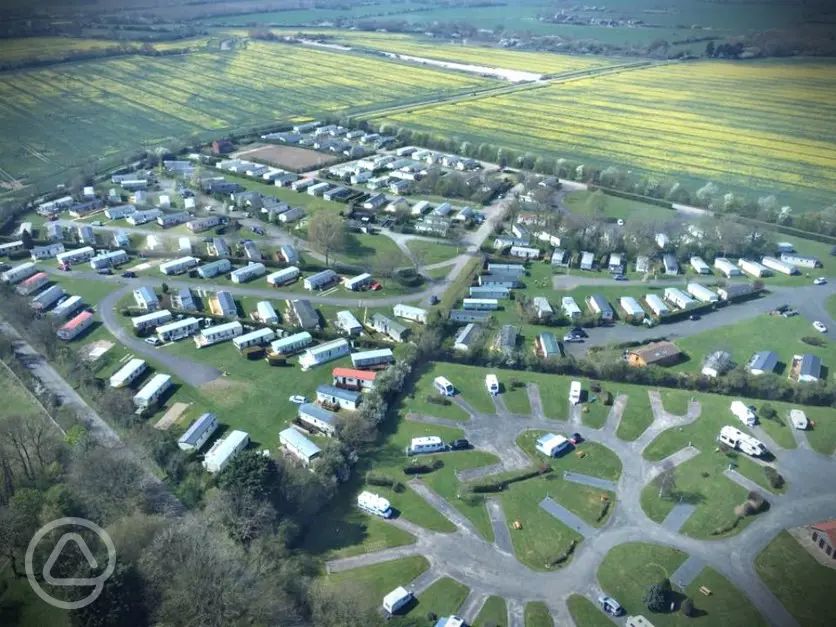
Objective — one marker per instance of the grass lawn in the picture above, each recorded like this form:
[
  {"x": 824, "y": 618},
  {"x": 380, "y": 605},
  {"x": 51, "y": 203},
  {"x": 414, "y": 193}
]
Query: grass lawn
[
  {"x": 597, "y": 461},
  {"x": 416, "y": 400},
  {"x": 804, "y": 586},
  {"x": 91, "y": 291},
  {"x": 17, "y": 400},
  {"x": 370, "y": 251},
  {"x": 537, "y": 615},
  {"x": 831, "y": 306},
  {"x": 19, "y": 605},
  {"x": 431, "y": 252},
  {"x": 612, "y": 207},
  {"x": 637, "y": 417},
  {"x": 494, "y": 612},
  {"x": 629, "y": 569},
  {"x": 585, "y": 613},
  {"x": 442, "y": 598},
  {"x": 376, "y": 581}
]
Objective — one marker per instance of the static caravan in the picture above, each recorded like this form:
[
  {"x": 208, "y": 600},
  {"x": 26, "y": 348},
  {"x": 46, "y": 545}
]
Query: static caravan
[
  {"x": 480, "y": 304},
  {"x": 492, "y": 384},
  {"x": 198, "y": 433},
  {"x": 109, "y": 259},
  {"x": 587, "y": 260},
  {"x": 214, "y": 268},
  {"x": 542, "y": 307},
  {"x": 178, "y": 330},
  {"x": 763, "y": 362},
  {"x": 753, "y": 268},
  {"x": 478, "y": 291},
  {"x": 743, "y": 442},
  {"x": 616, "y": 263},
  {"x": 182, "y": 300},
  {"x": 678, "y": 298},
  {"x": 338, "y": 397},
  {"x": 318, "y": 189},
  {"x": 218, "y": 247},
  {"x": 320, "y": 280},
  {"x": 324, "y": 353},
  {"x": 32, "y": 284},
  {"x": 657, "y": 305},
  {"x": 78, "y": 255},
  {"x": 599, "y": 306},
  {"x": 466, "y": 337},
  {"x": 699, "y": 266},
  {"x": 283, "y": 276},
  {"x": 802, "y": 261},
  {"x": 11, "y": 247},
  {"x": 642, "y": 264},
  {"x": 143, "y": 217},
  {"x": 319, "y": 418},
  {"x": 46, "y": 252},
  {"x": 716, "y": 364},
  {"x": 117, "y": 213},
  {"x": 374, "y": 504},
  {"x": 515, "y": 269},
  {"x": 570, "y": 308},
  {"x": 358, "y": 282},
  {"x": 399, "y": 597},
  {"x": 408, "y": 312},
  {"x": 54, "y": 232},
  {"x": 76, "y": 326},
  {"x": 798, "y": 419},
  {"x": 298, "y": 445},
  {"x": 259, "y": 337},
  {"x": 178, "y": 266},
  {"x": 202, "y": 224},
  {"x": 128, "y": 373},
  {"x": 469, "y": 315},
  {"x": 443, "y": 386},
  {"x": 524, "y": 252},
  {"x": 348, "y": 323},
  {"x": 426, "y": 444},
  {"x": 353, "y": 379},
  {"x": 809, "y": 367},
  {"x": 48, "y": 298},
  {"x": 500, "y": 279},
  {"x": 575, "y": 391},
  {"x": 248, "y": 272},
  {"x": 289, "y": 253},
  {"x": 292, "y": 343},
  {"x": 395, "y": 330},
  {"x": 218, "y": 333},
  {"x": 560, "y": 258},
  {"x": 85, "y": 234},
  {"x": 251, "y": 251},
  {"x": 173, "y": 219},
  {"x": 223, "y": 451},
  {"x": 266, "y": 313},
  {"x": 548, "y": 345},
  {"x": 373, "y": 358},
  {"x": 735, "y": 290},
  {"x": 152, "y": 391},
  {"x": 223, "y": 304},
  {"x": 702, "y": 293},
  {"x": 670, "y": 264},
  {"x": 631, "y": 307},
  {"x": 552, "y": 444},
  {"x": 146, "y": 299},
  {"x": 776, "y": 264},
  {"x": 67, "y": 307},
  {"x": 727, "y": 267},
  {"x": 151, "y": 319},
  {"x": 304, "y": 313}
]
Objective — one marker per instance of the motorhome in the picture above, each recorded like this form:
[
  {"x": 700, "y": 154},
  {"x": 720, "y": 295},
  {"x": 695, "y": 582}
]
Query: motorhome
[
  {"x": 744, "y": 413},
  {"x": 575, "y": 392},
  {"x": 374, "y": 504},
  {"x": 397, "y": 599},
  {"x": 443, "y": 386},
  {"x": 492, "y": 384},
  {"x": 743, "y": 442}
]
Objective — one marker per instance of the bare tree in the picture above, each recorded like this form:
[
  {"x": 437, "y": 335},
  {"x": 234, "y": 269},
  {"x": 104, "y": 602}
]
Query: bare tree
[{"x": 326, "y": 231}]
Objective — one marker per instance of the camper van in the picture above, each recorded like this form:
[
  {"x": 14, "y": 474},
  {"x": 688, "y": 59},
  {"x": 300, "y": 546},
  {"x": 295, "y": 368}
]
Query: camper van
[
  {"x": 743, "y": 442},
  {"x": 744, "y": 413},
  {"x": 443, "y": 386},
  {"x": 575, "y": 392},
  {"x": 799, "y": 419},
  {"x": 427, "y": 444},
  {"x": 374, "y": 504},
  {"x": 492, "y": 384},
  {"x": 395, "y": 600}
]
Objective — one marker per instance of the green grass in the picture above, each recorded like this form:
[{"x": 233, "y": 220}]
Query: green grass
[
  {"x": 598, "y": 460},
  {"x": 443, "y": 597},
  {"x": 17, "y": 400},
  {"x": 802, "y": 584},
  {"x": 493, "y": 612},
  {"x": 371, "y": 251},
  {"x": 375, "y": 581},
  {"x": 614, "y": 207},
  {"x": 537, "y": 615},
  {"x": 432, "y": 252},
  {"x": 831, "y": 306},
  {"x": 585, "y": 613},
  {"x": 416, "y": 400},
  {"x": 19, "y": 605},
  {"x": 637, "y": 417},
  {"x": 629, "y": 569}
]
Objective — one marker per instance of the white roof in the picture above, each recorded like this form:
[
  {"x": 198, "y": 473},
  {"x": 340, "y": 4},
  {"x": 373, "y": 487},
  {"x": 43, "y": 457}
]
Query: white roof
[
  {"x": 177, "y": 324},
  {"x": 426, "y": 440},
  {"x": 396, "y": 595}
]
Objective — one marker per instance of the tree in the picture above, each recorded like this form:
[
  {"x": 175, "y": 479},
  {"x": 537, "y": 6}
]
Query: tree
[
  {"x": 26, "y": 238},
  {"x": 326, "y": 231},
  {"x": 249, "y": 473},
  {"x": 687, "y": 607},
  {"x": 656, "y": 598},
  {"x": 243, "y": 516},
  {"x": 340, "y": 606}
]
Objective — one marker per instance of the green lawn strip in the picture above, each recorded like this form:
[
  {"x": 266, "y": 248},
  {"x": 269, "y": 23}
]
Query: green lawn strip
[
  {"x": 17, "y": 400},
  {"x": 19, "y": 605},
  {"x": 416, "y": 400},
  {"x": 802, "y": 584},
  {"x": 725, "y": 604},
  {"x": 432, "y": 252},
  {"x": 831, "y": 306},
  {"x": 585, "y": 613},
  {"x": 494, "y": 613},
  {"x": 823, "y": 435},
  {"x": 537, "y": 615},
  {"x": 369, "y": 251},
  {"x": 676, "y": 401},
  {"x": 442, "y": 598},
  {"x": 613, "y": 207},
  {"x": 636, "y": 418},
  {"x": 92, "y": 292},
  {"x": 376, "y": 581},
  {"x": 597, "y": 460}
]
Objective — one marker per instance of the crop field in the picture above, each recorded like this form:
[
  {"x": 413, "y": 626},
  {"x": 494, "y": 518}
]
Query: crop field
[
  {"x": 289, "y": 157},
  {"x": 773, "y": 135},
  {"x": 98, "y": 112}
]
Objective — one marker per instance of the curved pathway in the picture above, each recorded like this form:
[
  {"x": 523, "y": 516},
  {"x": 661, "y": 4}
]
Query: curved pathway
[{"x": 490, "y": 569}]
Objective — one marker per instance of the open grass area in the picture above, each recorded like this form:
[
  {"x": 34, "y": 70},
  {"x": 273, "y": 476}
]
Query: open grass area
[
  {"x": 615, "y": 208},
  {"x": 431, "y": 252},
  {"x": 831, "y": 306},
  {"x": 804, "y": 586},
  {"x": 629, "y": 569},
  {"x": 493, "y": 613},
  {"x": 374, "y": 582},
  {"x": 442, "y": 598},
  {"x": 537, "y": 615},
  {"x": 594, "y": 459},
  {"x": 17, "y": 400},
  {"x": 637, "y": 416},
  {"x": 585, "y": 613}
]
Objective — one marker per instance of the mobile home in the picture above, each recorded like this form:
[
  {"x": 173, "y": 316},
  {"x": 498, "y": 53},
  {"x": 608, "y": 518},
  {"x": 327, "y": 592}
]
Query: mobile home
[
  {"x": 214, "y": 268},
  {"x": 76, "y": 326},
  {"x": 47, "y": 298},
  {"x": 395, "y": 330},
  {"x": 716, "y": 364},
  {"x": 259, "y": 337},
  {"x": 128, "y": 373},
  {"x": 551, "y": 444},
  {"x": 338, "y": 397},
  {"x": 142, "y": 217},
  {"x": 763, "y": 362},
  {"x": 548, "y": 346},
  {"x": 298, "y": 445},
  {"x": 480, "y": 304},
  {"x": 466, "y": 337},
  {"x": 779, "y": 266},
  {"x": 146, "y": 299},
  {"x": 699, "y": 265},
  {"x": 353, "y": 379},
  {"x": 172, "y": 219},
  {"x": 78, "y": 255},
  {"x": 292, "y": 343},
  {"x": 178, "y": 266},
  {"x": 109, "y": 259},
  {"x": 408, "y": 312},
  {"x": 266, "y": 313},
  {"x": 218, "y": 333},
  {"x": 373, "y": 358},
  {"x": 348, "y": 323},
  {"x": 657, "y": 305},
  {"x": 223, "y": 451},
  {"x": 727, "y": 267},
  {"x": 678, "y": 298},
  {"x": 67, "y": 307},
  {"x": 178, "y": 330},
  {"x": 599, "y": 306},
  {"x": 153, "y": 391},
  {"x": 10, "y": 248},
  {"x": 324, "y": 353},
  {"x": 753, "y": 268},
  {"x": 478, "y": 291},
  {"x": 151, "y": 319},
  {"x": 670, "y": 264},
  {"x": 223, "y": 304},
  {"x": 631, "y": 307},
  {"x": 32, "y": 284},
  {"x": 802, "y": 261},
  {"x": 304, "y": 313},
  {"x": 570, "y": 308},
  {"x": 318, "y": 418},
  {"x": 283, "y": 276},
  {"x": 247, "y": 273},
  {"x": 198, "y": 433},
  {"x": 46, "y": 252},
  {"x": 702, "y": 293},
  {"x": 358, "y": 282}
]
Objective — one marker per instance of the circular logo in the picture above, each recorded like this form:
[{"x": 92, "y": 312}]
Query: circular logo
[{"x": 95, "y": 583}]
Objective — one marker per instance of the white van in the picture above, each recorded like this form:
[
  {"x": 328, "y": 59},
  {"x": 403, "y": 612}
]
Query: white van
[
  {"x": 396, "y": 599},
  {"x": 427, "y": 444},
  {"x": 575, "y": 392},
  {"x": 444, "y": 387},
  {"x": 492, "y": 384}
]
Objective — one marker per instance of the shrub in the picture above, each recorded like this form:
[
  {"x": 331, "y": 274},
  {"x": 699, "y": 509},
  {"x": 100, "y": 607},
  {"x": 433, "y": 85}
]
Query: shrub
[
  {"x": 768, "y": 412},
  {"x": 687, "y": 607},
  {"x": 563, "y": 556},
  {"x": 665, "y": 585},
  {"x": 437, "y": 399},
  {"x": 656, "y": 598},
  {"x": 497, "y": 484},
  {"x": 373, "y": 478},
  {"x": 604, "y": 509},
  {"x": 423, "y": 468},
  {"x": 595, "y": 387},
  {"x": 813, "y": 340},
  {"x": 398, "y": 487},
  {"x": 725, "y": 529},
  {"x": 776, "y": 480}
]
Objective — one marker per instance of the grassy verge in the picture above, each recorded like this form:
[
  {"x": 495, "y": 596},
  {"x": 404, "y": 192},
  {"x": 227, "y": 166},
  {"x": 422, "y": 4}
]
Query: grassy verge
[
  {"x": 493, "y": 613},
  {"x": 585, "y": 613},
  {"x": 537, "y": 615},
  {"x": 442, "y": 598}
]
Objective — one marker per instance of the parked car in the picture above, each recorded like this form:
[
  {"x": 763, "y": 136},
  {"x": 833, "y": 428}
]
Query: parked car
[
  {"x": 693, "y": 317},
  {"x": 153, "y": 341},
  {"x": 819, "y": 326},
  {"x": 610, "y": 606},
  {"x": 104, "y": 271},
  {"x": 129, "y": 275},
  {"x": 375, "y": 286},
  {"x": 576, "y": 438},
  {"x": 459, "y": 445},
  {"x": 569, "y": 338},
  {"x": 298, "y": 399},
  {"x": 620, "y": 277},
  {"x": 578, "y": 331},
  {"x": 820, "y": 281}
]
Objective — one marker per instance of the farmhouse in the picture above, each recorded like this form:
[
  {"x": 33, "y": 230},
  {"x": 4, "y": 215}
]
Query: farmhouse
[
  {"x": 109, "y": 259},
  {"x": 338, "y": 397},
  {"x": 801, "y": 260},
  {"x": 198, "y": 433},
  {"x": 248, "y": 272},
  {"x": 570, "y": 308},
  {"x": 318, "y": 418},
  {"x": 19, "y": 273},
  {"x": 292, "y": 343},
  {"x": 128, "y": 373},
  {"x": 779, "y": 266},
  {"x": 699, "y": 265},
  {"x": 320, "y": 280},
  {"x": 823, "y": 535},
  {"x": 259, "y": 337},
  {"x": 178, "y": 329},
  {"x": 373, "y": 358},
  {"x": 469, "y": 315},
  {"x": 223, "y": 451},
  {"x": 78, "y": 255},
  {"x": 214, "y": 268},
  {"x": 753, "y": 268},
  {"x": 298, "y": 445},
  {"x": 264, "y": 312},
  {"x": 387, "y": 326},
  {"x": 763, "y": 362},
  {"x": 142, "y": 217},
  {"x": 318, "y": 355},
  {"x": 654, "y": 354},
  {"x": 506, "y": 340},
  {"x": 353, "y": 379},
  {"x": 219, "y": 333},
  {"x": 726, "y": 267},
  {"x": 631, "y": 307},
  {"x": 670, "y": 264},
  {"x": 716, "y": 364},
  {"x": 178, "y": 266},
  {"x": 358, "y": 282},
  {"x": 587, "y": 260},
  {"x": 599, "y": 306},
  {"x": 46, "y": 252},
  {"x": 172, "y": 219},
  {"x": 408, "y": 312},
  {"x": 678, "y": 298},
  {"x": 480, "y": 304},
  {"x": 67, "y": 307},
  {"x": 547, "y": 346},
  {"x": 467, "y": 337},
  {"x": 542, "y": 307},
  {"x": 735, "y": 290},
  {"x": 32, "y": 284},
  {"x": 47, "y": 298},
  {"x": 702, "y": 293},
  {"x": 152, "y": 391},
  {"x": 76, "y": 326},
  {"x": 150, "y": 320},
  {"x": 182, "y": 300}
]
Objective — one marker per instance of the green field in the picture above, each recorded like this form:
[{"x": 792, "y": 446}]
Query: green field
[
  {"x": 615, "y": 208},
  {"x": 585, "y": 613},
  {"x": 432, "y": 252},
  {"x": 494, "y": 612},
  {"x": 677, "y": 120},
  {"x": 802, "y": 584},
  {"x": 537, "y": 615}
]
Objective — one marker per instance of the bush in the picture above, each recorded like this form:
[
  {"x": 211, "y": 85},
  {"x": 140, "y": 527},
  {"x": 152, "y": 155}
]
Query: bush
[
  {"x": 373, "y": 478},
  {"x": 768, "y": 412},
  {"x": 665, "y": 585},
  {"x": 812, "y": 340},
  {"x": 500, "y": 483},
  {"x": 437, "y": 399},
  {"x": 687, "y": 607},
  {"x": 563, "y": 556},
  {"x": 422, "y": 469},
  {"x": 398, "y": 487},
  {"x": 776, "y": 480},
  {"x": 656, "y": 598}
]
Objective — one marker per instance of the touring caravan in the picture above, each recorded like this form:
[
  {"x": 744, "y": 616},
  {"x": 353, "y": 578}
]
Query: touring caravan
[
  {"x": 744, "y": 413},
  {"x": 743, "y": 442},
  {"x": 443, "y": 386},
  {"x": 575, "y": 392},
  {"x": 492, "y": 384},
  {"x": 374, "y": 504},
  {"x": 426, "y": 444}
]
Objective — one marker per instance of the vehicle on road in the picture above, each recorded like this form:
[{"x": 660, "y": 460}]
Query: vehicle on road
[
  {"x": 459, "y": 445},
  {"x": 820, "y": 281},
  {"x": 579, "y": 332},
  {"x": 819, "y": 326},
  {"x": 104, "y": 271},
  {"x": 97, "y": 223},
  {"x": 572, "y": 338},
  {"x": 789, "y": 313},
  {"x": 129, "y": 275},
  {"x": 694, "y": 317},
  {"x": 153, "y": 341},
  {"x": 620, "y": 277},
  {"x": 298, "y": 399},
  {"x": 610, "y": 606}
]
